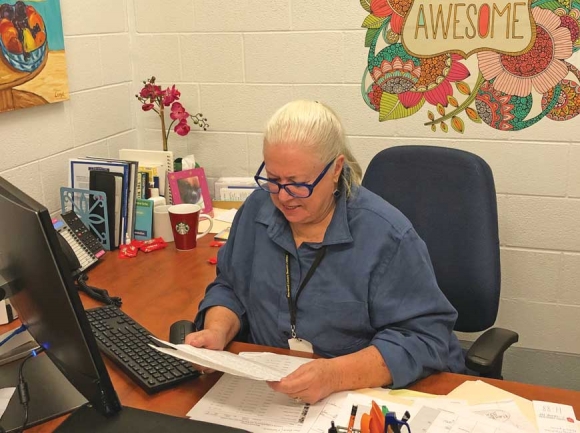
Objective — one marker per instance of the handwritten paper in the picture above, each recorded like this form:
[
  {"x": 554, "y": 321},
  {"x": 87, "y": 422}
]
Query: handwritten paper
[{"x": 506, "y": 411}]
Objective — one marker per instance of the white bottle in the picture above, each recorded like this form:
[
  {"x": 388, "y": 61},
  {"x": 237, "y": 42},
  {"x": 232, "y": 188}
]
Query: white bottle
[{"x": 156, "y": 198}]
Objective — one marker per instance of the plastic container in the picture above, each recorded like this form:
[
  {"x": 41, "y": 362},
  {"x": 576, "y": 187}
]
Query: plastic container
[{"x": 156, "y": 198}]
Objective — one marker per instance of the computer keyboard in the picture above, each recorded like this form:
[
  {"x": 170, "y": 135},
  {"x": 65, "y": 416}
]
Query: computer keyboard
[{"x": 126, "y": 343}]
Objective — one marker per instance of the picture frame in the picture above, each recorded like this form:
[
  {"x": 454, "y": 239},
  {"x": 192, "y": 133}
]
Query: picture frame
[{"x": 190, "y": 186}]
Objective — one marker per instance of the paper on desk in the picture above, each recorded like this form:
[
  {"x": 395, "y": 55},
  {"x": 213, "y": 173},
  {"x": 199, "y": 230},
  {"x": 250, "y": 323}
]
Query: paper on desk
[
  {"x": 5, "y": 396},
  {"x": 507, "y": 412},
  {"x": 222, "y": 361},
  {"x": 226, "y": 216},
  {"x": 409, "y": 393},
  {"x": 222, "y": 219},
  {"x": 478, "y": 392},
  {"x": 554, "y": 418},
  {"x": 248, "y": 404},
  {"x": 427, "y": 419}
]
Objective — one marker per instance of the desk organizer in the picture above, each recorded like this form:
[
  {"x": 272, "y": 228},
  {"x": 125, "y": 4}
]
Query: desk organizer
[{"x": 91, "y": 207}]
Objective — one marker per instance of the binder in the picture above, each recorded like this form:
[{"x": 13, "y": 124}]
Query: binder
[
  {"x": 112, "y": 185},
  {"x": 150, "y": 157},
  {"x": 130, "y": 193},
  {"x": 79, "y": 174}
]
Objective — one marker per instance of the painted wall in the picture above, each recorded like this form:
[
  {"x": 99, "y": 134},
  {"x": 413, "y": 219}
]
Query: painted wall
[
  {"x": 237, "y": 62},
  {"x": 98, "y": 120}
]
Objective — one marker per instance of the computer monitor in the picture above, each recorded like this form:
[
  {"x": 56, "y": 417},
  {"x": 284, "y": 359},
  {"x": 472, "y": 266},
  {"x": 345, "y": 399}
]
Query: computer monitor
[{"x": 41, "y": 288}]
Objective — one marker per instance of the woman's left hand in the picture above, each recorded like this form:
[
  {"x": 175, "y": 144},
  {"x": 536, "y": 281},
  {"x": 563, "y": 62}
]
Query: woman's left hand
[{"x": 310, "y": 382}]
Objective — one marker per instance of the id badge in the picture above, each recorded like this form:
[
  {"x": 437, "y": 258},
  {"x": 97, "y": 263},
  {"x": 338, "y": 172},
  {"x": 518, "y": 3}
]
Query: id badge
[{"x": 300, "y": 345}]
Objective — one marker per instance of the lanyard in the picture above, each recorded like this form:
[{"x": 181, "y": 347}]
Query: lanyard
[{"x": 293, "y": 302}]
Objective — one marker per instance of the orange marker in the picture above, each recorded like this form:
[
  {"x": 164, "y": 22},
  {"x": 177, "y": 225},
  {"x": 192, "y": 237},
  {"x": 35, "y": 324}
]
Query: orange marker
[{"x": 352, "y": 417}]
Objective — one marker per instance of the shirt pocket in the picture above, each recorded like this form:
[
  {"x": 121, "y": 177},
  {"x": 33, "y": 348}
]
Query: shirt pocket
[{"x": 340, "y": 328}]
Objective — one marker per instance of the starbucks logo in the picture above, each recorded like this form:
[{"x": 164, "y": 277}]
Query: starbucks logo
[{"x": 182, "y": 228}]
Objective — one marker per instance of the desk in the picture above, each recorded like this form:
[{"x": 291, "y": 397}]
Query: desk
[{"x": 164, "y": 286}]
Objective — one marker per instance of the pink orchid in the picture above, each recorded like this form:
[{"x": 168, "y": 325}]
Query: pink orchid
[
  {"x": 178, "y": 112},
  {"x": 182, "y": 128},
  {"x": 154, "y": 98}
]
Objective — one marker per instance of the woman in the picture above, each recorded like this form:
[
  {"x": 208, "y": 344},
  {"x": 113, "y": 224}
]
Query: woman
[{"x": 316, "y": 262}]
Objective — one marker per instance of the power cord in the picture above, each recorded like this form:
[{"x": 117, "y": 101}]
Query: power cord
[
  {"x": 100, "y": 295},
  {"x": 17, "y": 331},
  {"x": 23, "y": 388}
]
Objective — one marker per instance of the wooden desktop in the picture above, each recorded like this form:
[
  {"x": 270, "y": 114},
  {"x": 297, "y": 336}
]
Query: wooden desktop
[{"x": 164, "y": 286}]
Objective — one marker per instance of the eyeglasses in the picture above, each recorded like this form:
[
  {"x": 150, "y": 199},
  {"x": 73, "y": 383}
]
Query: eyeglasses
[{"x": 298, "y": 190}]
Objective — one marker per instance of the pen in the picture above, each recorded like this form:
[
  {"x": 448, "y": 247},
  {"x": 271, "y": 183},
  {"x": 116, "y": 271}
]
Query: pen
[{"x": 352, "y": 417}]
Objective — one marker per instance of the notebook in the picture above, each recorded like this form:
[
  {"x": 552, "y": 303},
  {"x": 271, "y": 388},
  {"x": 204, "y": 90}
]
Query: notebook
[{"x": 112, "y": 185}]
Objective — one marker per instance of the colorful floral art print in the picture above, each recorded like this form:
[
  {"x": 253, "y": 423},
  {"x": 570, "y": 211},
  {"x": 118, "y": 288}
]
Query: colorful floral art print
[
  {"x": 32, "y": 57},
  {"x": 505, "y": 63}
]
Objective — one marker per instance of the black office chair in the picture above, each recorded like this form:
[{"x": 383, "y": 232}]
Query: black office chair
[{"x": 449, "y": 196}]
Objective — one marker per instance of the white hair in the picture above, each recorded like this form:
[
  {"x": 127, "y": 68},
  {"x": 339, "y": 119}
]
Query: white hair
[{"x": 314, "y": 125}]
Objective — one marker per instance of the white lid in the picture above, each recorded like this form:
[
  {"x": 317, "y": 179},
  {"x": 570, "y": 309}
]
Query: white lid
[{"x": 154, "y": 192}]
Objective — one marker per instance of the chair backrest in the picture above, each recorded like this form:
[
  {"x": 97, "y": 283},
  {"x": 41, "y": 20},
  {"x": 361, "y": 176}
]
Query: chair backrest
[{"x": 449, "y": 197}]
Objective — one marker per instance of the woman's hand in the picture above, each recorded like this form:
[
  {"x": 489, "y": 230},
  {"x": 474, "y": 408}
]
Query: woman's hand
[
  {"x": 310, "y": 382},
  {"x": 207, "y": 338},
  {"x": 221, "y": 325},
  {"x": 317, "y": 379}
]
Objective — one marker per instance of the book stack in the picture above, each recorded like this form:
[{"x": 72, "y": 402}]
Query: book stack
[{"x": 117, "y": 178}]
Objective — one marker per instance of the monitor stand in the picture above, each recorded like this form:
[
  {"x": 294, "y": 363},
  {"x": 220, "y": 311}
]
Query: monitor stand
[
  {"x": 129, "y": 419},
  {"x": 45, "y": 382}
]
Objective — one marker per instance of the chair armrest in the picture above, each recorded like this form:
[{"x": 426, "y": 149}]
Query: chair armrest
[{"x": 486, "y": 354}]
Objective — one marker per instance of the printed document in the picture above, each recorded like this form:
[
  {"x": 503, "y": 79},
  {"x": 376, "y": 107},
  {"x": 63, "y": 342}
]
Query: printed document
[
  {"x": 554, "y": 418},
  {"x": 252, "y": 405},
  {"x": 222, "y": 361}
]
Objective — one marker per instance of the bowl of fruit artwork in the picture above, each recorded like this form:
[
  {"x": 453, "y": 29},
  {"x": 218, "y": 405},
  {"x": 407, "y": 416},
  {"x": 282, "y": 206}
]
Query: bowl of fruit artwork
[{"x": 22, "y": 36}]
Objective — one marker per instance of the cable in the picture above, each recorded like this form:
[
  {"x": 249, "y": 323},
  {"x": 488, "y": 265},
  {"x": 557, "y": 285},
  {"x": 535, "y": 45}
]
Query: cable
[
  {"x": 100, "y": 295},
  {"x": 17, "y": 331},
  {"x": 23, "y": 388}
]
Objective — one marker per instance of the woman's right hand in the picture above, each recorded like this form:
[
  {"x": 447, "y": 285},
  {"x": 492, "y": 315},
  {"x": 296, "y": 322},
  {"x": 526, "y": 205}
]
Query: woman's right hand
[
  {"x": 207, "y": 339},
  {"x": 221, "y": 325}
]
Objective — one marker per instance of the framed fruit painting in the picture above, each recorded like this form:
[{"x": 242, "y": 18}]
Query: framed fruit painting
[{"x": 32, "y": 56}]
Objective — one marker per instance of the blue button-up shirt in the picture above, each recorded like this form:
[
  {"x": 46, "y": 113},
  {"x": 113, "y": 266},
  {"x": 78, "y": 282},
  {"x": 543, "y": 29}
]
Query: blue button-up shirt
[{"x": 375, "y": 286}]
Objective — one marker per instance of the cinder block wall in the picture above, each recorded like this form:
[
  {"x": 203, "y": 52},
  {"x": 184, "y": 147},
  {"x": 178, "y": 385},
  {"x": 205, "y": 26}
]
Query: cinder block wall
[{"x": 237, "y": 62}]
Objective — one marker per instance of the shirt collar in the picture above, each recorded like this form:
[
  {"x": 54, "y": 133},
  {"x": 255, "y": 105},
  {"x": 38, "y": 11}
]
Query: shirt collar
[{"x": 338, "y": 231}]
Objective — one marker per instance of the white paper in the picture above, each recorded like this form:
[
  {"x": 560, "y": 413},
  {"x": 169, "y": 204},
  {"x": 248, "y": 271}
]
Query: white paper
[
  {"x": 5, "y": 396},
  {"x": 222, "y": 361},
  {"x": 332, "y": 407},
  {"x": 427, "y": 419},
  {"x": 227, "y": 216},
  {"x": 507, "y": 412},
  {"x": 252, "y": 405},
  {"x": 554, "y": 418}
]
